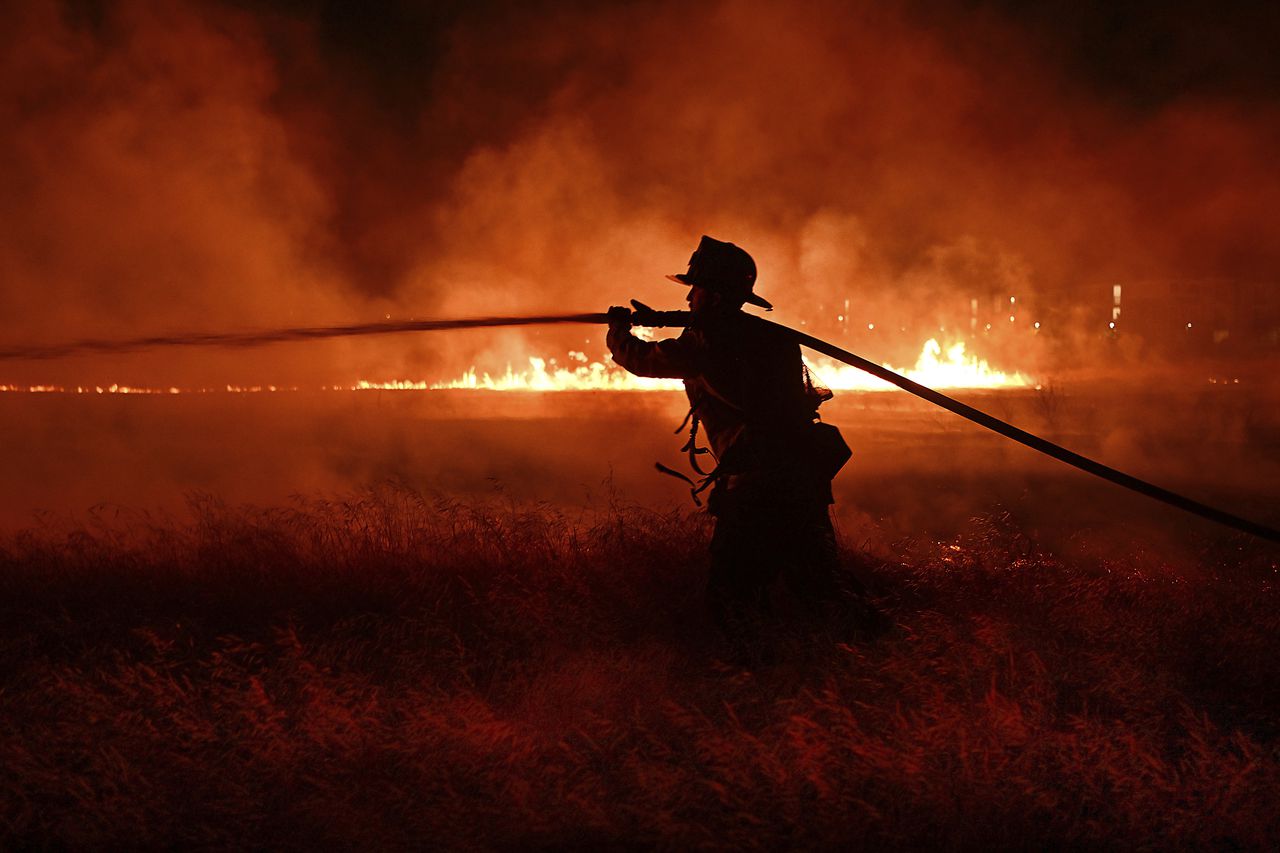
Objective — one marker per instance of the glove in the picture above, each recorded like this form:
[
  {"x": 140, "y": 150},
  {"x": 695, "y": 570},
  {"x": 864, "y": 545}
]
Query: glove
[
  {"x": 619, "y": 317},
  {"x": 643, "y": 315}
]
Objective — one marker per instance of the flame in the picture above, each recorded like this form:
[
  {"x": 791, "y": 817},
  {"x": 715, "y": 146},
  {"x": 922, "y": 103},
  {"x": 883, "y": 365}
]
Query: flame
[
  {"x": 136, "y": 389},
  {"x": 87, "y": 389},
  {"x": 586, "y": 376},
  {"x": 936, "y": 368}
]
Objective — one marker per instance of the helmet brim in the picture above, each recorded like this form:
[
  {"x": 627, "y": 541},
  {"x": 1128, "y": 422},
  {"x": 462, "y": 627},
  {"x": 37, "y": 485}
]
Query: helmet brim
[{"x": 758, "y": 301}]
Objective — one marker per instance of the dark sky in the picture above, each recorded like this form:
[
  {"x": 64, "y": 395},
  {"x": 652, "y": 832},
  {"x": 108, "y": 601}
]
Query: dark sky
[
  {"x": 1142, "y": 54},
  {"x": 1145, "y": 54}
]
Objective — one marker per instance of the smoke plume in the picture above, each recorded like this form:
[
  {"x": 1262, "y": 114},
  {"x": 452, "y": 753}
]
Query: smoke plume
[{"x": 207, "y": 166}]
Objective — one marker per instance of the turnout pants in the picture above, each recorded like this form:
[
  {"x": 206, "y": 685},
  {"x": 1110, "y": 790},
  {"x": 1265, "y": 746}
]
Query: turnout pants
[{"x": 771, "y": 534}]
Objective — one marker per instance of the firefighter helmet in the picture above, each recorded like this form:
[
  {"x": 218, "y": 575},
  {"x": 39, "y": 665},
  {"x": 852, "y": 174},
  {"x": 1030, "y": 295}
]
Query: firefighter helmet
[{"x": 724, "y": 268}]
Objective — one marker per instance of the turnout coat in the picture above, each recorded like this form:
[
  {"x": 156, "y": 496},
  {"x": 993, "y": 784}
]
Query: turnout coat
[{"x": 751, "y": 392}]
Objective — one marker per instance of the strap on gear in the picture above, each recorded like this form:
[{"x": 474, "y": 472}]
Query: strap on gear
[
  {"x": 708, "y": 478},
  {"x": 815, "y": 392},
  {"x": 696, "y": 487},
  {"x": 691, "y": 446}
]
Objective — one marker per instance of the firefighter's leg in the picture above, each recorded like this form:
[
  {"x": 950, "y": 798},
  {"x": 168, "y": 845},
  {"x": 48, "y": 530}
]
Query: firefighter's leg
[
  {"x": 814, "y": 560},
  {"x": 817, "y": 579},
  {"x": 742, "y": 571}
]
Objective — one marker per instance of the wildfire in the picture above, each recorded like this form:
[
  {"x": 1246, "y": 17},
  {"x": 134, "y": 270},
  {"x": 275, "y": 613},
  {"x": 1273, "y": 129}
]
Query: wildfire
[
  {"x": 542, "y": 375},
  {"x": 89, "y": 389},
  {"x": 936, "y": 367}
]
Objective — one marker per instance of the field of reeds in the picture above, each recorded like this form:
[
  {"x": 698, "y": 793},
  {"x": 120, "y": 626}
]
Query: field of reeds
[{"x": 398, "y": 670}]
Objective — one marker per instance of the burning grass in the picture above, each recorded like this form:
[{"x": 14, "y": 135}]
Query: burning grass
[{"x": 394, "y": 670}]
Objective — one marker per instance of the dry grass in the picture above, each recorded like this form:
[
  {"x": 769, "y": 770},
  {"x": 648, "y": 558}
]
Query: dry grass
[{"x": 393, "y": 671}]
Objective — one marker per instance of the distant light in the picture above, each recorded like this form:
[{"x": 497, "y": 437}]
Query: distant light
[
  {"x": 1037, "y": 324},
  {"x": 1012, "y": 300},
  {"x": 871, "y": 326},
  {"x": 1188, "y": 325},
  {"x": 1111, "y": 325},
  {"x": 388, "y": 316},
  {"x": 840, "y": 318},
  {"x": 988, "y": 327},
  {"x": 1010, "y": 318}
]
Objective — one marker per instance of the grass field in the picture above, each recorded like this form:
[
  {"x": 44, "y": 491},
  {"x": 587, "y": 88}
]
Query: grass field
[{"x": 396, "y": 670}]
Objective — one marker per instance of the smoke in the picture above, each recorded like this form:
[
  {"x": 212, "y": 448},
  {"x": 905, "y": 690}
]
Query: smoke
[
  {"x": 174, "y": 166},
  {"x": 916, "y": 471}
]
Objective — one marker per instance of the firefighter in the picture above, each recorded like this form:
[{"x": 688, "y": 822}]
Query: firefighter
[{"x": 751, "y": 393}]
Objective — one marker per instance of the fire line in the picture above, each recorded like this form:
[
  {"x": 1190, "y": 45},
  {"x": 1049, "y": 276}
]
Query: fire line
[{"x": 658, "y": 319}]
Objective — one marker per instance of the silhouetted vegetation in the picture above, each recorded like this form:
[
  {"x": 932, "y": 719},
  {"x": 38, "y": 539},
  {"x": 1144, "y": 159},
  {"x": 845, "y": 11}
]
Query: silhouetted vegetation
[{"x": 395, "y": 670}]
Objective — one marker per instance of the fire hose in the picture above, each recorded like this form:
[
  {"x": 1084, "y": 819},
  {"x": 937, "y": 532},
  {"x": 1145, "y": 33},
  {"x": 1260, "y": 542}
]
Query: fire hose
[{"x": 644, "y": 316}]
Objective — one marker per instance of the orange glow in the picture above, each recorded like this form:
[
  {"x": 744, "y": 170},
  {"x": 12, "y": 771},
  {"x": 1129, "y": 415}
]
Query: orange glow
[
  {"x": 87, "y": 389},
  {"x": 134, "y": 389},
  {"x": 586, "y": 376},
  {"x": 935, "y": 367}
]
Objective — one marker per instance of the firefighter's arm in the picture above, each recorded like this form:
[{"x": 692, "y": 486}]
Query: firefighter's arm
[{"x": 672, "y": 359}]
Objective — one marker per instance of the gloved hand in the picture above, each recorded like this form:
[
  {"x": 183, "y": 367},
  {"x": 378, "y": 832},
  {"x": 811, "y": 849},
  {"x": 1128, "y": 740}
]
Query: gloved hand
[
  {"x": 619, "y": 317},
  {"x": 642, "y": 315}
]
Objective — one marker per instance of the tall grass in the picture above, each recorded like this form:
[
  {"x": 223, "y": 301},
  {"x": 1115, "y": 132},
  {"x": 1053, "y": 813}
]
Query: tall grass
[{"x": 394, "y": 670}]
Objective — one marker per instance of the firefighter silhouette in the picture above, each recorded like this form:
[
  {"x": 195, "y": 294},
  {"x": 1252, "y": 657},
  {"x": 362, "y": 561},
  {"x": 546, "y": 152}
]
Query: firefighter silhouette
[{"x": 770, "y": 487}]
